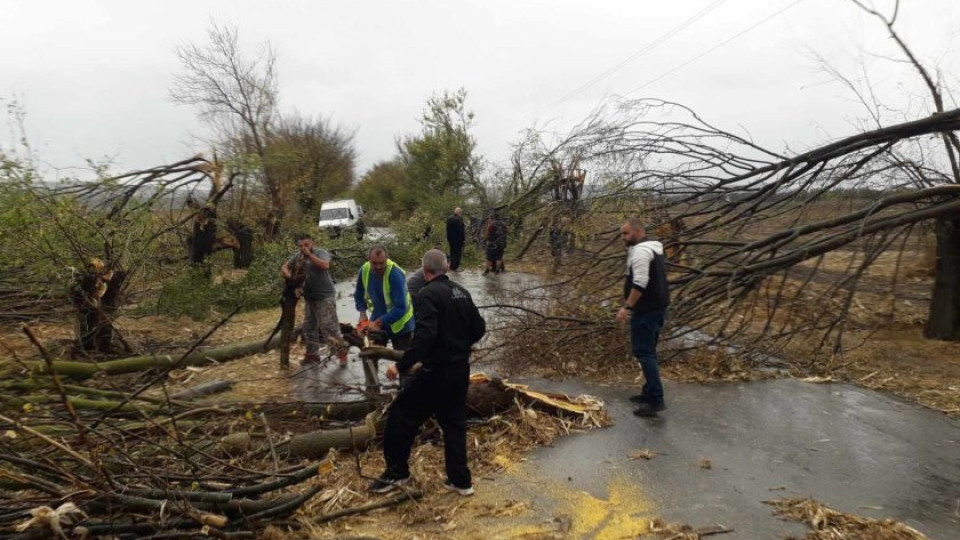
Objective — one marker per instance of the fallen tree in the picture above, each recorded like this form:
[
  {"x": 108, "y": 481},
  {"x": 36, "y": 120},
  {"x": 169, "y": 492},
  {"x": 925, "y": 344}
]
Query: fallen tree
[
  {"x": 85, "y": 370},
  {"x": 749, "y": 231}
]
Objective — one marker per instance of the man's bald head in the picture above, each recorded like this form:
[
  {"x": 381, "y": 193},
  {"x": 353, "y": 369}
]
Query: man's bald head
[{"x": 458, "y": 210}]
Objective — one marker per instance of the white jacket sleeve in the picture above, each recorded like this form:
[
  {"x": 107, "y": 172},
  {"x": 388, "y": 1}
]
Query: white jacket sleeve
[{"x": 640, "y": 259}]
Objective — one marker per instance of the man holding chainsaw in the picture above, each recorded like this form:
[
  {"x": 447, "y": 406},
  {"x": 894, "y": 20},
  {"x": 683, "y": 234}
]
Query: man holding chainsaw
[
  {"x": 320, "y": 318},
  {"x": 436, "y": 371},
  {"x": 382, "y": 289}
]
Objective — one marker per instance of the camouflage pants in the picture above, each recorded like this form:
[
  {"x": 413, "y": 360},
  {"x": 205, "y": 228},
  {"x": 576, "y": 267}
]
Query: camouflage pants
[{"x": 320, "y": 321}]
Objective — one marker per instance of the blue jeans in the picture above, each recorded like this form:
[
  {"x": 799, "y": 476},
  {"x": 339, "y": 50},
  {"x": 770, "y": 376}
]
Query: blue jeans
[{"x": 644, "y": 334}]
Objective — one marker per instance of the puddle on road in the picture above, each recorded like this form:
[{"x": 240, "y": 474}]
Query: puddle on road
[{"x": 327, "y": 382}]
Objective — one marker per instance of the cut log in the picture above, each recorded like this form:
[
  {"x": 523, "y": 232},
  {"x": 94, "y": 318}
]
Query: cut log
[
  {"x": 350, "y": 410},
  {"x": 485, "y": 399},
  {"x": 79, "y": 403},
  {"x": 318, "y": 443},
  {"x": 205, "y": 389},
  {"x": 31, "y": 385},
  {"x": 235, "y": 444},
  {"x": 385, "y": 353},
  {"x": 83, "y": 370}
]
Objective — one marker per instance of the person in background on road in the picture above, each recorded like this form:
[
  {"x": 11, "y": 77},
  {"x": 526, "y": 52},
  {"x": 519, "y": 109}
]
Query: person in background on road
[
  {"x": 448, "y": 324},
  {"x": 645, "y": 300},
  {"x": 382, "y": 289},
  {"x": 456, "y": 235},
  {"x": 496, "y": 235},
  {"x": 319, "y": 295}
]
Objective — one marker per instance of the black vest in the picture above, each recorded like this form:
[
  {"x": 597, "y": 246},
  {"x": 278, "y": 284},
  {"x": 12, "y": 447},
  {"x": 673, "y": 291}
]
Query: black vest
[{"x": 657, "y": 293}]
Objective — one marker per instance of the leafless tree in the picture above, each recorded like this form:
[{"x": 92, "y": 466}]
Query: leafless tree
[
  {"x": 944, "y": 320},
  {"x": 237, "y": 95}
]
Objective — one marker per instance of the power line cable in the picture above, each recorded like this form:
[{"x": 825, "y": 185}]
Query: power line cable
[
  {"x": 715, "y": 47},
  {"x": 647, "y": 48}
]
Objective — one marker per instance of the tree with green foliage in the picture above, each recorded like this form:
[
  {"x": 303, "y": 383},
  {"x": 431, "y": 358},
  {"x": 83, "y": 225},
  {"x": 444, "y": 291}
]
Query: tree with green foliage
[
  {"x": 311, "y": 160},
  {"x": 442, "y": 159},
  {"x": 385, "y": 188},
  {"x": 438, "y": 167}
]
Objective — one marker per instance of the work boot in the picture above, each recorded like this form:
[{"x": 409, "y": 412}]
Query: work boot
[
  {"x": 649, "y": 409},
  {"x": 639, "y": 398}
]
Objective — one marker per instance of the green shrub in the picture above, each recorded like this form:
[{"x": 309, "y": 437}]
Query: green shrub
[{"x": 196, "y": 294}]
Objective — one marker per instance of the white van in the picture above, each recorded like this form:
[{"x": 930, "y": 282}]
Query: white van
[{"x": 335, "y": 216}]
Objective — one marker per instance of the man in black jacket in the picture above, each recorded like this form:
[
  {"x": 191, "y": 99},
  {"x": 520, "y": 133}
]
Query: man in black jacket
[
  {"x": 456, "y": 235},
  {"x": 448, "y": 324}
]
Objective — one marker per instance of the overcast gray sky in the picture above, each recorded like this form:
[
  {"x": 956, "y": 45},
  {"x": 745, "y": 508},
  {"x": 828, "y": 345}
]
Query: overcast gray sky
[{"x": 94, "y": 76}]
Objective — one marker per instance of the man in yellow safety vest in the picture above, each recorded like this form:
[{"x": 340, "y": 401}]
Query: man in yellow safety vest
[{"x": 382, "y": 289}]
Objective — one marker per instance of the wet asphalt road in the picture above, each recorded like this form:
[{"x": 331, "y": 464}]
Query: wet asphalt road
[
  {"x": 851, "y": 448},
  {"x": 323, "y": 383}
]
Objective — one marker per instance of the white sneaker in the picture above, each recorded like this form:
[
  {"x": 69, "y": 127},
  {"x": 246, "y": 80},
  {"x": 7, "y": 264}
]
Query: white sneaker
[{"x": 463, "y": 492}]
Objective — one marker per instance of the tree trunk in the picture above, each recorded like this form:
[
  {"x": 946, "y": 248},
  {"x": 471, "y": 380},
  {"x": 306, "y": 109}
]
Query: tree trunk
[
  {"x": 288, "y": 317},
  {"x": 96, "y": 295},
  {"x": 318, "y": 443},
  {"x": 203, "y": 238},
  {"x": 243, "y": 255},
  {"x": 944, "y": 321},
  {"x": 205, "y": 389},
  {"x": 84, "y": 370},
  {"x": 348, "y": 410}
]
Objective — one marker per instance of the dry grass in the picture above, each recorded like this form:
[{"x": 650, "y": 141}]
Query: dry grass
[
  {"x": 830, "y": 524},
  {"x": 662, "y": 530},
  {"x": 644, "y": 453},
  {"x": 713, "y": 364}
]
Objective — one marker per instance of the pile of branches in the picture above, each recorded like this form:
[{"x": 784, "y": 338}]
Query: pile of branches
[
  {"x": 102, "y": 463},
  {"x": 81, "y": 460}
]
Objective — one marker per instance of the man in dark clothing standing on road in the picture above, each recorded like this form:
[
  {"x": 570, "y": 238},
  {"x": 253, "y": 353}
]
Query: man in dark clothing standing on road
[
  {"x": 456, "y": 235},
  {"x": 448, "y": 324},
  {"x": 496, "y": 235},
  {"x": 645, "y": 300}
]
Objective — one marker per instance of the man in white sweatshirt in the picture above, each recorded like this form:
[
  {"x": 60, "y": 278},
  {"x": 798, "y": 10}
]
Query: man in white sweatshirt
[{"x": 645, "y": 300}]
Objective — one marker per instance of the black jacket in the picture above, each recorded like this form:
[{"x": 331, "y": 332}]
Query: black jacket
[
  {"x": 448, "y": 324},
  {"x": 456, "y": 230}
]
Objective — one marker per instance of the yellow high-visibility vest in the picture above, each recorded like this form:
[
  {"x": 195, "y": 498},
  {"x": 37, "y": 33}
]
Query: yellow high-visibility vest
[{"x": 397, "y": 325}]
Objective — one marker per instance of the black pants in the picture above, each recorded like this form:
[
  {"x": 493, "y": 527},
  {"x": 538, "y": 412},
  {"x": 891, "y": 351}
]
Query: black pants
[
  {"x": 400, "y": 343},
  {"x": 495, "y": 251},
  {"x": 441, "y": 393},
  {"x": 456, "y": 252}
]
